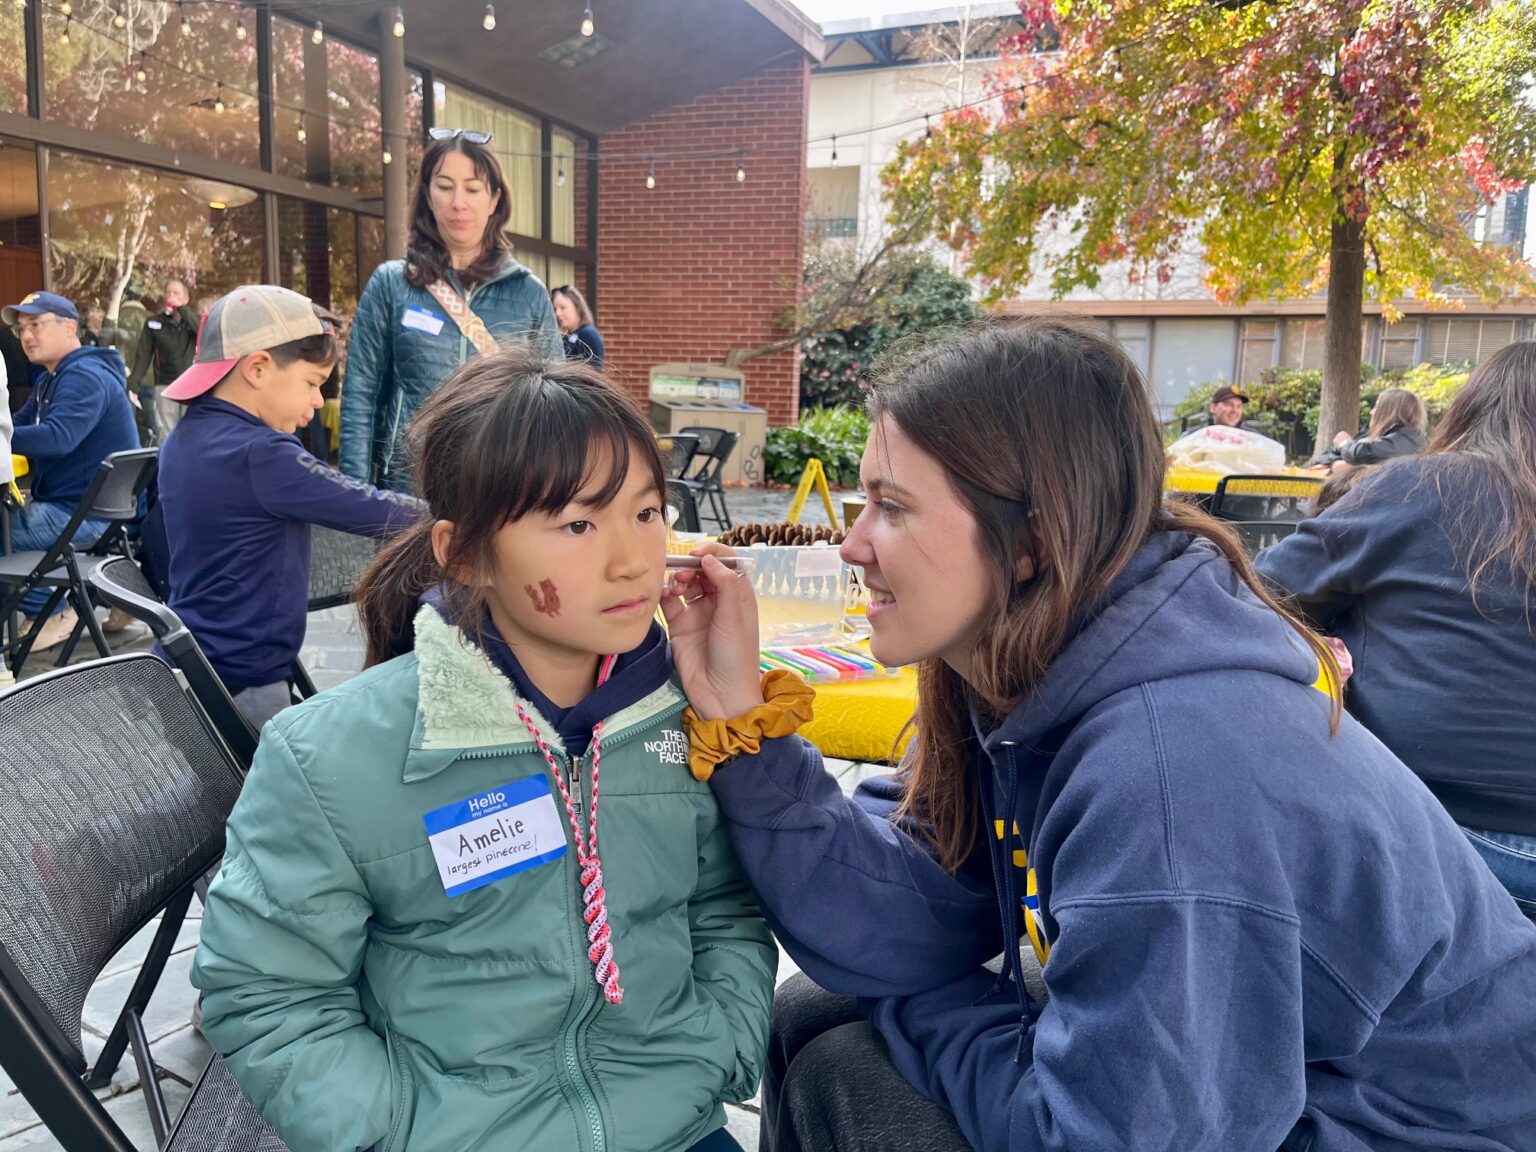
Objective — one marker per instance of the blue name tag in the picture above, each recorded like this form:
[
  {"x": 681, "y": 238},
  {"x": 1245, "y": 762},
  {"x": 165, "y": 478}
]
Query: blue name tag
[
  {"x": 422, "y": 319},
  {"x": 489, "y": 836}
]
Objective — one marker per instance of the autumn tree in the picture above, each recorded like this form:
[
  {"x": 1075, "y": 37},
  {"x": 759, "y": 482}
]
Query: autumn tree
[{"x": 1303, "y": 145}]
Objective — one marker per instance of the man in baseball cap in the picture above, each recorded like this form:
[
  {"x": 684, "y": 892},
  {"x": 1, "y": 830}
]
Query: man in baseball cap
[
  {"x": 228, "y": 539},
  {"x": 77, "y": 416},
  {"x": 1226, "y": 406}
]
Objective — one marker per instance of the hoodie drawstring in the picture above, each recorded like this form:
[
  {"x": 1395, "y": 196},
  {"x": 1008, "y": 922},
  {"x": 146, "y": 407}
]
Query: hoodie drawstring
[{"x": 1011, "y": 896}]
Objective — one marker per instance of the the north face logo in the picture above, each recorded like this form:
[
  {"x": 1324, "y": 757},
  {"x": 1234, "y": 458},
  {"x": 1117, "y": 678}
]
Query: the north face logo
[{"x": 672, "y": 748}]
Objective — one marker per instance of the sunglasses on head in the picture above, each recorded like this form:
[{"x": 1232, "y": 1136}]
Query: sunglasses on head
[{"x": 473, "y": 135}]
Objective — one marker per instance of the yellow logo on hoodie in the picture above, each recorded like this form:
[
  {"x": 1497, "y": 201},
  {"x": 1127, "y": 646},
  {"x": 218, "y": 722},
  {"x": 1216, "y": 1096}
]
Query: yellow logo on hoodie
[{"x": 1034, "y": 921}]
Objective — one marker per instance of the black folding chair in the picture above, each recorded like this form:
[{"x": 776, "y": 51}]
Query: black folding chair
[
  {"x": 113, "y": 797},
  {"x": 1264, "y": 509},
  {"x": 679, "y": 449},
  {"x": 715, "y": 448},
  {"x": 122, "y": 584},
  {"x": 337, "y": 561},
  {"x": 680, "y": 496},
  {"x": 114, "y": 497}
]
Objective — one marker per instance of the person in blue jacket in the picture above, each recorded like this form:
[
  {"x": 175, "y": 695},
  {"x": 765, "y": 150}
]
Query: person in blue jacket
[
  {"x": 1256, "y": 928},
  {"x": 77, "y": 416},
  {"x": 238, "y": 491},
  {"x": 405, "y": 340},
  {"x": 579, "y": 331},
  {"x": 1427, "y": 572}
]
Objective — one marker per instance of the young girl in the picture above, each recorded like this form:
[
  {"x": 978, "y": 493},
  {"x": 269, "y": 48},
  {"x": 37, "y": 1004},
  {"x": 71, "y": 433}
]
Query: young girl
[
  {"x": 1256, "y": 929},
  {"x": 1396, "y": 429},
  {"x": 473, "y": 898}
]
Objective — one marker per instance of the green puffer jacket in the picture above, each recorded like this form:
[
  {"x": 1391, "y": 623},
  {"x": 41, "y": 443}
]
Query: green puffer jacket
[
  {"x": 358, "y": 1005},
  {"x": 402, "y": 347}
]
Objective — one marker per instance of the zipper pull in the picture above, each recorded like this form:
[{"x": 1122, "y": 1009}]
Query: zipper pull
[{"x": 578, "y": 797}]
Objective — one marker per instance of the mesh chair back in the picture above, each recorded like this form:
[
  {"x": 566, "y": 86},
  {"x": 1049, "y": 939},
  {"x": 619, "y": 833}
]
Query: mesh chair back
[
  {"x": 1299, "y": 487},
  {"x": 122, "y": 584},
  {"x": 123, "y": 476},
  {"x": 113, "y": 797},
  {"x": 337, "y": 561},
  {"x": 1264, "y": 499},
  {"x": 680, "y": 496},
  {"x": 679, "y": 448},
  {"x": 708, "y": 473},
  {"x": 708, "y": 438}
]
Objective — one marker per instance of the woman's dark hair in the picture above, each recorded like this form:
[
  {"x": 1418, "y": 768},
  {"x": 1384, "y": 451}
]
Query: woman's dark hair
[
  {"x": 1048, "y": 437},
  {"x": 426, "y": 257},
  {"x": 578, "y": 301},
  {"x": 509, "y": 433},
  {"x": 1489, "y": 435}
]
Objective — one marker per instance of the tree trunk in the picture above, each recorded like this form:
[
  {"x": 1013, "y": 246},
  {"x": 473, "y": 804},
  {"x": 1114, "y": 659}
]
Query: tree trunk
[{"x": 1342, "y": 330}]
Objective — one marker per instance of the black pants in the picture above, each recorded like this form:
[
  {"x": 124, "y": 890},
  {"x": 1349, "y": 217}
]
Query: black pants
[{"x": 831, "y": 1086}]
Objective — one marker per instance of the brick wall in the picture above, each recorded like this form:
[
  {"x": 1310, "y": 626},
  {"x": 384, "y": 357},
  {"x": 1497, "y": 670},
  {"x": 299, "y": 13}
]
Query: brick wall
[{"x": 701, "y": 264}]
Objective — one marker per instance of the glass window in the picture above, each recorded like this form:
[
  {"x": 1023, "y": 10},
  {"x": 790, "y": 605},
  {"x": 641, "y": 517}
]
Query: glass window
[
  {"x": 562, "y": 190},
  {"x": 1301, "y": 344},
  {"x": 534, "y": 262},
  {"x": 13, "y": 60},
  {"x": 317, "y": 253},
  {"x": 1256, "y": 353},
  {"x": 1187, "y": 353},
  {"x": 516, "y": 140},
  {"x": 1400, "y": 345},
  {"x": 119, "y": 232},
  {"x": 189, "y": 86},
  {"x": 371, "y": 250},
  {"x": 561, "y": 273}
]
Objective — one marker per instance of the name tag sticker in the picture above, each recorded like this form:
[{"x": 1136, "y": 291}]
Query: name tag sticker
[
  {"x": 487, "y": 837},
  {"x": 422, "y": 319},
  {"x": 155, "y": 324}
]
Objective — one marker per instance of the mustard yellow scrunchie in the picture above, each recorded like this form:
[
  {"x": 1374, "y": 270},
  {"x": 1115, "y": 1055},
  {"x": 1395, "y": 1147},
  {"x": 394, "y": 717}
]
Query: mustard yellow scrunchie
[{"x": 786, "y": 706}]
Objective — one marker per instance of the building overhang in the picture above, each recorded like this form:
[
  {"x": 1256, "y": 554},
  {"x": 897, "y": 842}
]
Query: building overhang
[{"x": 643, "y": 57}]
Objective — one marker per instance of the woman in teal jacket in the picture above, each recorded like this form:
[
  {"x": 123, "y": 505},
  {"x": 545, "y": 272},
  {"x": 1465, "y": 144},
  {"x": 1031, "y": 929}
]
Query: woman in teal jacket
[
  {"x": 409, "y": 335},
  {"x": 412, "y": 944}
]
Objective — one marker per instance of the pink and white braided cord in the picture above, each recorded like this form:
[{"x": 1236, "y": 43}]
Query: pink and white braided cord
[{"x": 594, "y": 899}]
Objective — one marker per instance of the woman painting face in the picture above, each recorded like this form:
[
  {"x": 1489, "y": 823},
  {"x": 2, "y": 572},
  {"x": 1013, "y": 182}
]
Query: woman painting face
[
  {"x": 929, "y": 583},
  {"x": 565, "y": 313},
  {"x": 462, "y": 202}
]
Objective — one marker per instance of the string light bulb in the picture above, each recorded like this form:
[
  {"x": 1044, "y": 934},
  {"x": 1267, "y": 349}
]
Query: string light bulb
[
  {"x": 141, "y": 73},
  {"x": 64, "y": 36},
  {"x": 650, "y": 175},
  {"x": 317, "y": 33},
  {"x": 218, "y": 99},
  {"x": 303, "y": 132},
  {"x": 398, "y": 26},
  {"x": 741, "y": 170},
  {"x": 118, "y": 19},
  {"x": 239, "y": 25},
  {"x": 927, "y": 128},
  {"x": 388, "y": 157},
  {"x": 560, "y": 171},
  {"x": 67, "y": 8},
  {"x": 186, "y": 25},
  {"x": 489, "y": 23},
  {"x": 587, "y": 25},
  {"x": 834, "y": 151}
]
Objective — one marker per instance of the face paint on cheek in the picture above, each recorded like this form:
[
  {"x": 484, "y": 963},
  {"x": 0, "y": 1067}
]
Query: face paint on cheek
[{"x": 546, "y": 597}]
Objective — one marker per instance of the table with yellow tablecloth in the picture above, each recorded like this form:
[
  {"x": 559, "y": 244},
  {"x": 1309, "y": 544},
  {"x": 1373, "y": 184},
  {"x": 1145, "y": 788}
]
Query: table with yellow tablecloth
[
  {"x": 19, "y": 466},
  {"x": 862, "y": 719},
  {"x": 1199, "y": 481},
  {"x": 330, "y": 420}
]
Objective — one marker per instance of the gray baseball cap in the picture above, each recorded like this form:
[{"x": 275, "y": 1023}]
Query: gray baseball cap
[{"x": 252, "y": 318}]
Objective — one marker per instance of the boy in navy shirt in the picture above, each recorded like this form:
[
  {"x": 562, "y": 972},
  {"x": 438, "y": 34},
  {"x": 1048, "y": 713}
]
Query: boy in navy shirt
[{"x": 238, "y": 491}]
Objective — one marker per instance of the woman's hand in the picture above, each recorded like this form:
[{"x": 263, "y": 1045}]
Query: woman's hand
[
  {"x": 1341, "y": 438},
  {"x": 712, "y": 618}
]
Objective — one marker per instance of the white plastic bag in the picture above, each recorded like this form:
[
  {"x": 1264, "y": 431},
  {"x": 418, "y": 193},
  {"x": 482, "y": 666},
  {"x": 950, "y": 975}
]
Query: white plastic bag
[{"x": 1226, "y": 451}]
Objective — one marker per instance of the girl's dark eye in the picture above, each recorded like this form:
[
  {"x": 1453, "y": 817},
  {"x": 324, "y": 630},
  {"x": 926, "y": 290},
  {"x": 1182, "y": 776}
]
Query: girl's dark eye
[
  {"x": 577, "y": 527},
  {"x": 650, "y": 515}
]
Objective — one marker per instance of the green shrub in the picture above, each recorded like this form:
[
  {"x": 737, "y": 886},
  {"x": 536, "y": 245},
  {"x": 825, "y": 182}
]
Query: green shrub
[
  {"x": 836, "y": 436},
  {"x": 922, "y": 297}
]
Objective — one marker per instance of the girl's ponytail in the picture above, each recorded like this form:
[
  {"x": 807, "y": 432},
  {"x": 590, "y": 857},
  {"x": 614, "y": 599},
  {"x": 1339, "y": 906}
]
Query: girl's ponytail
[{"x": 389, "y": 592}]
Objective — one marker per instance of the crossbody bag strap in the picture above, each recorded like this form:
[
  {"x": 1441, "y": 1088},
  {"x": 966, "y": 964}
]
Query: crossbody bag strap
[{"x": 463, "y": 315}]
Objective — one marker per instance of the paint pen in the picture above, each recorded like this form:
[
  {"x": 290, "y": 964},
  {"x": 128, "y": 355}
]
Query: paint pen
[{"x": 693, "y": 563}]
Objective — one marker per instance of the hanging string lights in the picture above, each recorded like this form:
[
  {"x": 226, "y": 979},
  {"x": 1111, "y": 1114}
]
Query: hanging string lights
[
  {"x": 489, "y": 22},
  {"x": 317, "y": 33},
  {"x": 303, "y": 134},
  {"x": 397, "y": 25},
  {"x": 650, "y": 175},
  {"x": 587, "y": 25},
  {"x": 218, "y": 99}
]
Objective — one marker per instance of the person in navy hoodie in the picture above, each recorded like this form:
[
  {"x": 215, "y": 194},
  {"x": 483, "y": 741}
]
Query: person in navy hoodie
[
  {"x": 238, "y": 491},
  {"x": 1427, "y": 573},
  {"x": 77, "y": 416},
  {"x": 1256, "y": 928}
]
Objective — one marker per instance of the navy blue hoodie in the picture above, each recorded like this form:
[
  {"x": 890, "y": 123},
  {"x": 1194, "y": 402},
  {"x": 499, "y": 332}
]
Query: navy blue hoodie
[
  {"x": 77, "y": 416},
  {"x": 1254, "y": 933},
  {"x": 1447, "y": 684},
  {"x": 236, "y": 502}
]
